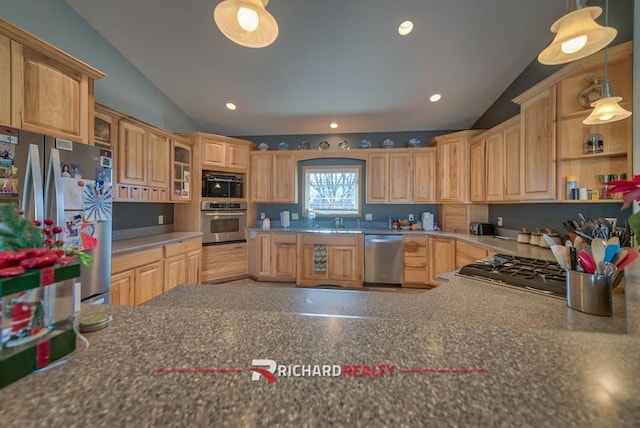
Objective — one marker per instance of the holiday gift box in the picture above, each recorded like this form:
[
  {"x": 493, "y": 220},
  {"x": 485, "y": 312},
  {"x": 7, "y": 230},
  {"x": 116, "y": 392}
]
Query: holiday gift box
[{"x": 36, "y": 320}]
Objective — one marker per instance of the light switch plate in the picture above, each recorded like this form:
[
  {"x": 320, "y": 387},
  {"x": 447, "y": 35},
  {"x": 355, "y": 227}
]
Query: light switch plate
[
  {"x": 160, "y": 219},
  {"x": 294, "y": 216},
  {"x": 410, "y": 217},
  {"x": 368, "y": 217}
]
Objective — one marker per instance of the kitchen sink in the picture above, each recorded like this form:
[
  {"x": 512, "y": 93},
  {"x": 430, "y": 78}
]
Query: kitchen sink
[{"x": 338, "y": 231}]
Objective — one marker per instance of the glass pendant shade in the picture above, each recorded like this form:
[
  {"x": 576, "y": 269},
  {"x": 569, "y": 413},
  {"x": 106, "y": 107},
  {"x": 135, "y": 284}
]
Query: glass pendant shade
[
  {"x": 246, "y": 22},
  {"x": 577, "y": 36},
  {"x": 606, "y": 110}
]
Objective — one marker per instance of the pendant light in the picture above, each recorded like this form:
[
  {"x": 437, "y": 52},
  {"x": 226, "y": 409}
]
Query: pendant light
[
  {"x": 606, "y": 109},
  {"x": 246, "y": 22},
  {"x": 577, "y": 35}
]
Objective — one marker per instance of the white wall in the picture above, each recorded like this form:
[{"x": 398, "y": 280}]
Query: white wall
[{"x": 125, "y": 88}]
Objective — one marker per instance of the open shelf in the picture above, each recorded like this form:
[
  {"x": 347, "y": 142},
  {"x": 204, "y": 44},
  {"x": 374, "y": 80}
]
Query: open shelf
[{"x": 596, "y": 155}]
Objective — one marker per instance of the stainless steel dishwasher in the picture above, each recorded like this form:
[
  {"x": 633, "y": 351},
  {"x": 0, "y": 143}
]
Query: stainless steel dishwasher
[{"x": 383, "y": 259}]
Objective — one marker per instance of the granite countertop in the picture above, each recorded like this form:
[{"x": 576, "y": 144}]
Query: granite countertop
[
  {"x": 142, "y": 243},
  {"x": 498, "y": 244},
  {"x": 465, "y": 353}
]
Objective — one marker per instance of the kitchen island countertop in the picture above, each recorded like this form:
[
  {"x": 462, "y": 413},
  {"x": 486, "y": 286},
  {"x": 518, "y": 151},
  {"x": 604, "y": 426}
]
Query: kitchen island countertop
[{"x": 465, "y": 353}]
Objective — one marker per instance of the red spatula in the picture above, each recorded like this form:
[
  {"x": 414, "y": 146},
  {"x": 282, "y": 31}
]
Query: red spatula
[{"x": 631, "y": 257}]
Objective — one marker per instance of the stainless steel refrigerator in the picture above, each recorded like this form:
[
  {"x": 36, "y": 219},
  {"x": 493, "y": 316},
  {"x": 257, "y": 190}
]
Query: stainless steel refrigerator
[{"x": 70, "y": 183}]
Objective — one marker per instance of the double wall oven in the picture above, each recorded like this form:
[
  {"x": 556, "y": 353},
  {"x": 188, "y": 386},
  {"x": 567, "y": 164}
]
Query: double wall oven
[{"x": 223, "y": 222}]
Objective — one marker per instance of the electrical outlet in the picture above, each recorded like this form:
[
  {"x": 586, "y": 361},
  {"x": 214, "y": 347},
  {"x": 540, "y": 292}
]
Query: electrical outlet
[
  {"x": 368, "y": 217},
  {"x": 410, "y": 217},
  {"x": 263, "y": 216},
  {"x": 499, "y": 221},
  {"x": 294, "y": 216},
  {"x": 160, "y": 219}
]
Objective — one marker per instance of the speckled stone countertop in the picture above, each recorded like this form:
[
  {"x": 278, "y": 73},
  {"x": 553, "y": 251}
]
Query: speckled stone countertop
[
  {"x": 465, "y": 353},
  {"x": 497, "y": 244},
  {"x": 141, "y": 243}
]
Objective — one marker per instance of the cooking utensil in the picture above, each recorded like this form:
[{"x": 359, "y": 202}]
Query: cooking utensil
[
  {"x": 573, "y": 258},
  {"x": 549, "y": 240},
  {"x": 610, "y": 252},
  {"x": 560, "y": 253},
  {"x": 597, "y": 252},
  {"x": 631, "y": 257},
  {"x": 620, "y": 257},
  {"x": 614, "y": 240},
  {"x": 587, "y": 262}
]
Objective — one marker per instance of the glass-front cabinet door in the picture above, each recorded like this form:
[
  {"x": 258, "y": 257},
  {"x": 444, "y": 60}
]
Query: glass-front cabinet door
[{"x": 181, "y": 179}]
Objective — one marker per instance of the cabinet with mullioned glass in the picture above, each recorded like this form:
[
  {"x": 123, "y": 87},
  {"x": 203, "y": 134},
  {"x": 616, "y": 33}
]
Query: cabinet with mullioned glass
[{"x": 181, "y": 178}]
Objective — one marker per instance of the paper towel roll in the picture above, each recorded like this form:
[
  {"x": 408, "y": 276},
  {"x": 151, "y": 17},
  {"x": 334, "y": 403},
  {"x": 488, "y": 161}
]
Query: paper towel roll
[{"x": 285, "y": 220}]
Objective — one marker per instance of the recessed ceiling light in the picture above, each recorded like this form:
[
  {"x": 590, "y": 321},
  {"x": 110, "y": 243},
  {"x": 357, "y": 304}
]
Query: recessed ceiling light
[
  {"x": 435, "y": 98},
  {"x": 231, "y": 106},
  {"x": 405, "y": 28},
  {"x": 333, "y": 125}
]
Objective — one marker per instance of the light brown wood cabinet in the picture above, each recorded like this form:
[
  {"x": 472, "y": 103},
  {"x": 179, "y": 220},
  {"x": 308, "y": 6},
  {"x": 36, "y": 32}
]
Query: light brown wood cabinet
[
  {"x": 495, "y": 167},
  {"x": 453, "y": 166},
  {"x": 222, "y": 154},
  {"x": 424, "y": 176},
  {"x": 478, "y": 171},
  {"x": 377, "y": 178},
  {"x": 137, "y": 276},
  {"x": 469, "y": 253},
  {"x": 158, "y": 158},
  {"x": 538, "y": 146},
  {"x": 511, "y": 137},
  {"x": 224, "y": 262},
  {"x": 416, "y": 266},
  {"x": 182, "y": 263},
  {"x": 5, "y": 80},
  {"x": 182, "y": 177},
  {"x": 442, "y": 257},
  {"x": 274, "y": 178},
  {"x": 42, "y": 89},
  {"x": 132, "y": 157},
  {"x": 334, "y": 260},
  {"x": 389, "y": 178},
  {"x": 122, "y": 285},
  {"x": 273, "y": 256}
]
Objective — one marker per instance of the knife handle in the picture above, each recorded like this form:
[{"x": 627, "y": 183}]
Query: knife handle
[{"x": 573, "y": 258}]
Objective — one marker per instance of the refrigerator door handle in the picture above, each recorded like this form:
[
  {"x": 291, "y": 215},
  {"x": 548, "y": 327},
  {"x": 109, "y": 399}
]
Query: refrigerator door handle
[
  {"x": 32, "y": 192},
  {"x": 54, "y": 189}
]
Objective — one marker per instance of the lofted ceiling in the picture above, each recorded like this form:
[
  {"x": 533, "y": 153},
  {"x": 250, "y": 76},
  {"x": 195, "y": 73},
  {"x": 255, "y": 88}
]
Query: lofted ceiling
[{"x": 334, "y": 60}]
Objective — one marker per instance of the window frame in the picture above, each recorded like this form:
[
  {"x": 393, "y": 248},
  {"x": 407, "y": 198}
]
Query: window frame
[{"x": 350, "y": 168}]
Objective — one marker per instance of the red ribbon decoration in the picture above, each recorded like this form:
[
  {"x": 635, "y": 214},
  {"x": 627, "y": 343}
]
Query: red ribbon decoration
[
  {"x": 46, "y": 275},
  {"x": 42, "y": 354}
]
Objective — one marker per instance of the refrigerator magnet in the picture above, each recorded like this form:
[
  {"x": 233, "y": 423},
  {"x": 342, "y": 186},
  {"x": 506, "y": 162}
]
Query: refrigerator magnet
[
  {"x": 103, "y": 174},
  {"x": 105, "y": 162}
]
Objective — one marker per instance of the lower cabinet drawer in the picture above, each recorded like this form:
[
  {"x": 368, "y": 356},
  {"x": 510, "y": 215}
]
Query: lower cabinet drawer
[{"x": 223, "y": 261}]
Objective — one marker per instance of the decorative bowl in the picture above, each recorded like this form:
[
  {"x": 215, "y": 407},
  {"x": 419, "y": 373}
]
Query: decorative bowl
[
  {"x": 365, "y": 144},
  {"x": 387, "y": 144},
  {"x": 414, "y": 142},
  {"x": 283, "y": 146},
  {"x": 324, "y": 145},
  {"x": 305, "y": 145},
  {"x": 263, "y": 147},
  {"x": 344, "y": 145}
]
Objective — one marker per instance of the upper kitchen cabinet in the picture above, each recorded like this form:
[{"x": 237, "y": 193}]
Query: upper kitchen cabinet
[
  {"x": 424, "y": 176},
  {"x": 477, "y": 171},
  {"x": 48, "y": 91},
  {"x": 274, "y": 178},
  {"x": 159, "y": 154},
  {"x": 105, "y": 127},
  {"x": 389, "y": 178},
  {"x": 453, "y": 166},
  {"x": 538, "y": 145},
  {"x": 181, "y": 179},
  {"x": 5, "y": 80},
  {"x": 226, "y": 155},
  {"x": 132, "y": 154},
  {"x": 495, "y": 163}
]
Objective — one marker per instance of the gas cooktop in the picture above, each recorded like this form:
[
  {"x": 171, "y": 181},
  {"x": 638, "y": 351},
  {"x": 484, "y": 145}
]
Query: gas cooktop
[{"x": 535, "y": 275}]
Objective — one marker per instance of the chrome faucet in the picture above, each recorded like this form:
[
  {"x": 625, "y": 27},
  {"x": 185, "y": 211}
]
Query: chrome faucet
[{"x": 338, "y": 223}]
